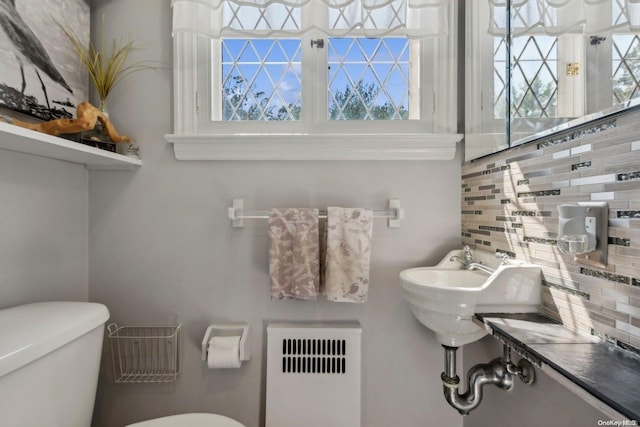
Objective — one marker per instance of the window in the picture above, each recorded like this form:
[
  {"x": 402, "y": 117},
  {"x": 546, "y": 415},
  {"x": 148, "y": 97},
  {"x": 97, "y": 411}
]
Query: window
[
  {"x": 567, "y": 58},
  {"x": 261, "y": 80},
  {"x": 534, "y": 77},
  {"x": 625, "y": 56},
  {"x": 371, "y": 79},
  {"x": 625, "y": 67},
  {"x": 367, "y": 79},
  {"x": 357, "y": 72}
]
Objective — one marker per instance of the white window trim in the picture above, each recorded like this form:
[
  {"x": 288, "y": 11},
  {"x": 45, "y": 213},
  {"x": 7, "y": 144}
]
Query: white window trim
[
  {"x": 315, "y": 147},
  {"x": 189, "y": 144}
]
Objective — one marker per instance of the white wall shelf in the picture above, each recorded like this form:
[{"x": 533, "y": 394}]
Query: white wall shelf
[{"x": 16, "y": 138}]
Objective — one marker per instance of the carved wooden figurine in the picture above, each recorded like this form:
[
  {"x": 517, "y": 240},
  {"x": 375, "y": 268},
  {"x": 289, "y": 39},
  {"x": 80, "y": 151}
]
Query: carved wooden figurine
[{"x": 87, "y": 116}]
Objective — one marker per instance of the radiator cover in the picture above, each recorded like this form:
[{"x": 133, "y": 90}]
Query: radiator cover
[{"x": 313, "y": 375}]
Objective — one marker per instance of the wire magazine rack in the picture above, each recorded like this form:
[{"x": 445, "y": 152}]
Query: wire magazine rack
[{"x": 144, "y": 354}]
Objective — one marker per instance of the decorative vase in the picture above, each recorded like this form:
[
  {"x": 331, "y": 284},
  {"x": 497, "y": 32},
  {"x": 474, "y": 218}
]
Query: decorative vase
[{"x": 103, "y": 107}]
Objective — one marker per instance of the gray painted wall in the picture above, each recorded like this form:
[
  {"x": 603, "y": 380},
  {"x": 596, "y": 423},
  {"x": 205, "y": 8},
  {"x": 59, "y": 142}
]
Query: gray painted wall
[
  {"x": 43, "y": 230},
  {"x": 163, "y": 251}
]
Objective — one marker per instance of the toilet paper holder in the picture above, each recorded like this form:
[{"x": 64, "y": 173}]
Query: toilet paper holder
[{"x": 228, "y": 329}]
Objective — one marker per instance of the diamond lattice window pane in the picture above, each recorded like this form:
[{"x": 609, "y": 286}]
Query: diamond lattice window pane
[
  {"x": 618, "y": 15},
  {"x": 534, "y": 77},
  {"x": 625, "y": 67},
  {"x": 247, "y": 17},
  {"x": 499, "y": 79},
  {"x": 382, "y": 17},
  {"x": 261, "y": 79},
  {"x": 368, "y": 78}
]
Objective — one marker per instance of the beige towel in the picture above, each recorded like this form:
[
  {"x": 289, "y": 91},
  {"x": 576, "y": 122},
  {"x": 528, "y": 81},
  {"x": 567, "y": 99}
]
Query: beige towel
[
  {"x": 294, "y": 253},
  {"x": 348, "y": 254}
]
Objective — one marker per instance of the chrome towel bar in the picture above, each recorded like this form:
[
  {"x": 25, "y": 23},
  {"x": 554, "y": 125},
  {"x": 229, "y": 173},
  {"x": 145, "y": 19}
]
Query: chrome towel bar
[{"x": 237, "y": 214}]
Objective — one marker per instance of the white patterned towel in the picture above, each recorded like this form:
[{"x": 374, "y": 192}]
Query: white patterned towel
[
  {"x": 294, "y": 253},
  {"x": 348, "y": 254}
]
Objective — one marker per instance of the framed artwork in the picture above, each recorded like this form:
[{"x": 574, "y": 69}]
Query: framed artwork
[{"x": 40, "y": 73}]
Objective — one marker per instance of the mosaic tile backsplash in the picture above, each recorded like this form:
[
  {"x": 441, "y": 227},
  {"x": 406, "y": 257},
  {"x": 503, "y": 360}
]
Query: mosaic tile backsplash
[{"x": 509, "y": 204}]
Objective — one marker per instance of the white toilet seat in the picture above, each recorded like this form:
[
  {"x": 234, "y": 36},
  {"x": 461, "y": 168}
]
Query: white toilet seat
[{"x": 190, "y": 420}]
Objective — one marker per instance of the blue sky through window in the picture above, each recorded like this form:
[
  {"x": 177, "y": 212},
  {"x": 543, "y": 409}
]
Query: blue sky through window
[{"x": 368, "y": 78}]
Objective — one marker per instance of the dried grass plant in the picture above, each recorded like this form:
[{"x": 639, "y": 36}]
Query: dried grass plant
[{"x": 106, "y": 68}]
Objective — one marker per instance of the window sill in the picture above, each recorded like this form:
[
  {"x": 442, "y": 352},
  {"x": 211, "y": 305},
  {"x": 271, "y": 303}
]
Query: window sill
[{"x": 315, "y": 147}]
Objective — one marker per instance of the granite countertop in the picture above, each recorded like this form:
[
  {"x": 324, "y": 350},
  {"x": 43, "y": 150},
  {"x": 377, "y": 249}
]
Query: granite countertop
[{"x": 607, "y": 372}]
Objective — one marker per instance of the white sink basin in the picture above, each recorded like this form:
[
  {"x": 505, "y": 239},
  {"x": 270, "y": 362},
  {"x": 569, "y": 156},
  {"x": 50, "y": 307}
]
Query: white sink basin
[{"x": 445, "y": 297}]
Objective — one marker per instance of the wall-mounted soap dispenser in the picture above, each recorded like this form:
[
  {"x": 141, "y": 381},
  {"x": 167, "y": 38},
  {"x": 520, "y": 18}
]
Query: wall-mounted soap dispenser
[{"x": 583, "y": 231}]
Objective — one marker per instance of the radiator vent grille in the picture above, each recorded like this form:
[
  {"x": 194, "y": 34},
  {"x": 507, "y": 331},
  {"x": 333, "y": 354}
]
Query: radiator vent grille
[
  {"x": 320, "y": 362},
  {"x": 314, "y": 356}
]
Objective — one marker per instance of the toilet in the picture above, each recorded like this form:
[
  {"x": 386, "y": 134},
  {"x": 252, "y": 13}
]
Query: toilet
[
  {"x": 190, "y": 420},
  {"x": 49, "y": 364}
]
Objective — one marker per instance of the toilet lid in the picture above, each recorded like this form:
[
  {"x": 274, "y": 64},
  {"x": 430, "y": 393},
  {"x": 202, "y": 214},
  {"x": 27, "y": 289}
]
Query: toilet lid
[{"x": 190, "y": 420}]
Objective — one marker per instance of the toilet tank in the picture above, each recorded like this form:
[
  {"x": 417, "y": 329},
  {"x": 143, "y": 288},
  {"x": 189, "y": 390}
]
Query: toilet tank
[{"x": 49, "y": 363}]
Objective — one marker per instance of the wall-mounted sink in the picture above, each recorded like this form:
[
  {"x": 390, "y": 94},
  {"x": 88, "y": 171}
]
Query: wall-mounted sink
[{"x": 445, "y": 297}]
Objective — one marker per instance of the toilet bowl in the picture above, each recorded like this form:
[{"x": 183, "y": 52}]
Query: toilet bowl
[{"x": 189, "y": 420}]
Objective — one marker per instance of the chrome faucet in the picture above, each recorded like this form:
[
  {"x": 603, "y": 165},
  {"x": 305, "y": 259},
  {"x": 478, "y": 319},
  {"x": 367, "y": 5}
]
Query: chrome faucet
[
  {"x": 467, "y": 256},
  {"x": 468, "y": 263},
  {"x": 504, "y": 257}
]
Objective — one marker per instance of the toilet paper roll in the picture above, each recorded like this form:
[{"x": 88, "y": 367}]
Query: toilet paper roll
[{"x": 224, "y": 352}]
